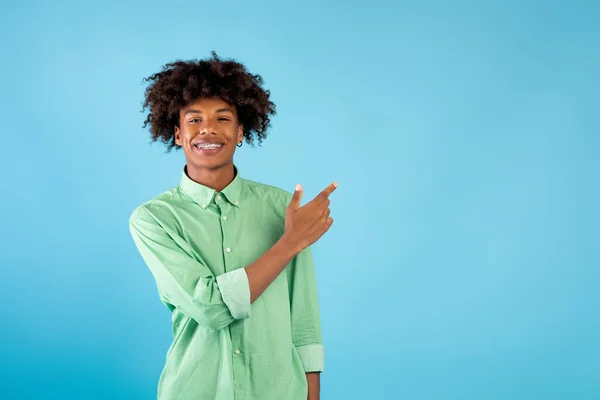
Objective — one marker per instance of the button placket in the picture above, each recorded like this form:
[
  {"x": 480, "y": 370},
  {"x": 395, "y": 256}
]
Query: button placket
[
  {"x": 224, "y": 221},
  {"x": 225, "y": 209},
  {"x": 227, "y": 212}
]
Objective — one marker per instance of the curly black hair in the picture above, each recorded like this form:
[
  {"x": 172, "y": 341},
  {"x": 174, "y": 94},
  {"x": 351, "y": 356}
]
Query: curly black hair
[{"x": 181, "y": 82}]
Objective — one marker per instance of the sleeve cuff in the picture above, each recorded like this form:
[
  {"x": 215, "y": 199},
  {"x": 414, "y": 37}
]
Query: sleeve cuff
[
  {"x": 235, "y": 291},
  {"x": 312, "y": 357}
]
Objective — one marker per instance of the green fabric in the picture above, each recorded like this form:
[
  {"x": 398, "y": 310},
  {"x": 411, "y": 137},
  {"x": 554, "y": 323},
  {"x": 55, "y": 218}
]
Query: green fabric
[{"x": 197, "y": 242}]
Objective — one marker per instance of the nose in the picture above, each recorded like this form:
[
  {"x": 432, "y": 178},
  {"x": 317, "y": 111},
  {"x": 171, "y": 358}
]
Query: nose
[{"x": 208, "y": 127}]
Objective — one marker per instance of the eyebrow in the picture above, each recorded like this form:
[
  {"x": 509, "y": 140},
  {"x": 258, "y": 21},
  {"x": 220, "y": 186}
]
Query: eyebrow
[{"x": 219, "y": 110}]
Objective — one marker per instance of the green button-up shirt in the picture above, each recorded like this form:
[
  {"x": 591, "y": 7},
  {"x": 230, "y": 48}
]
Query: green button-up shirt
[{"x": 197, "y": 242}]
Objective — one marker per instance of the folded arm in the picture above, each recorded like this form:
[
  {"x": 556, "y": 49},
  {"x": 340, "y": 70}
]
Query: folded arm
[{"x": 187, "y": 284}]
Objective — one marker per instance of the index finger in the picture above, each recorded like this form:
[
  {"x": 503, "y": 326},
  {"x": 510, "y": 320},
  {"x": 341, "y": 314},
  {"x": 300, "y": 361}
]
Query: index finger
[{"x": 327, "y": 191}]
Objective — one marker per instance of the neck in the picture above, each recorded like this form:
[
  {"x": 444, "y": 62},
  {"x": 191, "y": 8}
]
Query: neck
[{"x": 216, "y": 179}]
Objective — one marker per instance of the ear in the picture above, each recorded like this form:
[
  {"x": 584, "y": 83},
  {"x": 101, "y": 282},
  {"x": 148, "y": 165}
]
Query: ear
[
  {"x": 177, "y": 136},
  {"x": 240, "y": 135}
]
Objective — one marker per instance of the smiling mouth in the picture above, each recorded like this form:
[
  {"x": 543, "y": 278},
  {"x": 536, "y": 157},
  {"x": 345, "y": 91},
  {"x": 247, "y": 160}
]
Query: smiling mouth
[{"x": 208, "y": 148}]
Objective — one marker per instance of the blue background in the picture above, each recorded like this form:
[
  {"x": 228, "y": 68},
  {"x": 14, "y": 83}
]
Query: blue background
[{"x": 463, "y": 262}]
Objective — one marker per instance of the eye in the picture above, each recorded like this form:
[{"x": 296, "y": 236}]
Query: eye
[
  {"x": 194, "y": 120},
  {"x": 223, "y": 119}
]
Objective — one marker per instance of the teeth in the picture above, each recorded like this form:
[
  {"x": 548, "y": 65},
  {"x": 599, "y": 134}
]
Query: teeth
[{"x": 209, "y": 146}]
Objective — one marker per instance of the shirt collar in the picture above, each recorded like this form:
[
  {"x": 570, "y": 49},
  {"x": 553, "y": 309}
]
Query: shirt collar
[{"x": 203, "y": 195}]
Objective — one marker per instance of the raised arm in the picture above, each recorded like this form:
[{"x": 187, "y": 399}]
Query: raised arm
[{"x": 217, "y": 301}]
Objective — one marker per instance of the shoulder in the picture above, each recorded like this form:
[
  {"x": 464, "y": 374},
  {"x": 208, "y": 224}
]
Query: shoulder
[
  {"x": 274, "y": 195},
  {"x": 152, "y": 209}
]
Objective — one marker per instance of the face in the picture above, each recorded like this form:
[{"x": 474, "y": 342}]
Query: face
[{"x": 208, "y": 132}]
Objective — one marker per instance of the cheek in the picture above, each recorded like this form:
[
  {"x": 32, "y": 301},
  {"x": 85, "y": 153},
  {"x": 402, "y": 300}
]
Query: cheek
[{"x": 184, "y": 137}]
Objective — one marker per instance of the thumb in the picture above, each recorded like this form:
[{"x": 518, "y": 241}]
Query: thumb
[{"x": 296, "y": 197}]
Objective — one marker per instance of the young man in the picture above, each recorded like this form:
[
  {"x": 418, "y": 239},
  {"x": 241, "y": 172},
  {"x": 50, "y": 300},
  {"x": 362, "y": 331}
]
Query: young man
[{"x": 231, "y": 257}]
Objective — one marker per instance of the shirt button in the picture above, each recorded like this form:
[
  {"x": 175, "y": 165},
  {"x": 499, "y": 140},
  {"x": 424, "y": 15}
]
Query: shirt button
[
  {"x": 237, "y": 203},
  {"x": 228, "y": 250},
  {"x": 237, "y": 351},
  {"x": 224, "y": 218},
  {"x": 203, "y": 205},
  {"x": 218, "y": 197}
]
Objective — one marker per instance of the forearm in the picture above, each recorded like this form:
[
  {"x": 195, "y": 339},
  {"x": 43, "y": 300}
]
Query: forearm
[
  {"x": 268, "y": 266},
  {"x": 314, "y": 385}
]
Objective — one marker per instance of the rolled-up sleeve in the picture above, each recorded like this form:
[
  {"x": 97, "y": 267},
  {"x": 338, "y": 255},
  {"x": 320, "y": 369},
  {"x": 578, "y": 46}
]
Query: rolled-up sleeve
[
  {"x": 186, "y": 283},
  {"x": 305, "y": 314},
  {"x": 312, "y": 357},
  {"x": 235, "y": 290}
]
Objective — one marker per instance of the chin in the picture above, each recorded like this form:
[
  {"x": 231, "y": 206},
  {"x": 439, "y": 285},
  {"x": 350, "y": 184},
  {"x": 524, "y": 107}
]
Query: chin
[{"x": 209, "y": 164}]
